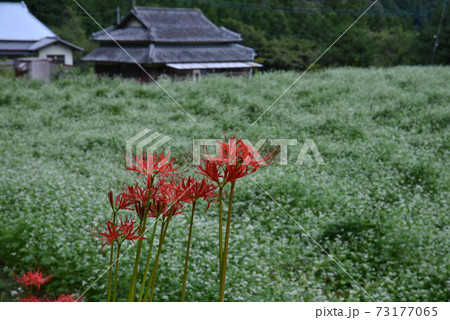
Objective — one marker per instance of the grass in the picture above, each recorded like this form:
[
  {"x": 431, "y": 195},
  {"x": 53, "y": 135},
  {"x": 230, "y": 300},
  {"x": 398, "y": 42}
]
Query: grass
[{"x": 379, "y": 206}]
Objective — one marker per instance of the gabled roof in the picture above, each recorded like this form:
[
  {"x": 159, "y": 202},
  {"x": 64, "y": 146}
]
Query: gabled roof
[
  {"x": 168, "y": 25},
  {"x": 128, "y": 34},
  {"x": 23, "y": 33},
  {"x": 49, "y": 41},
  {"x": 18, "y": 24}
]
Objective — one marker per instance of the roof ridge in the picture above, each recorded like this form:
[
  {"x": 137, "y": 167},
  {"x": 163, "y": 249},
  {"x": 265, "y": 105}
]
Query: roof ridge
[{"x": 167, "y": 9}]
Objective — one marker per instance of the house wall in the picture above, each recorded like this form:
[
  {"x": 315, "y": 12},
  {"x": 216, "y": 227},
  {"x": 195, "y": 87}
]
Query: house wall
[
  {"x": 57, "y": 49},
  {"x": 129, "y": 70},
  {"x": 189, "y": 73},
  {"x": 133, "y": 23}
]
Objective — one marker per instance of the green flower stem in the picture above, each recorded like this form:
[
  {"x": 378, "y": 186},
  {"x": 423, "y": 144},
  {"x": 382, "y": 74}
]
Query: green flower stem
[
  {"x": 227, "y": 238},
  {"x": 220, "y": 231},
  {"x": 150, "y": 281},
  {"x": 116, "y": 271},
  {"x": 111, "y": 254},
  {"x": 131, "y": 293},
  {"x": 156, "y": 266},
  {"x": 147, "y": 264},
  {"x": 187, "y": 251}
]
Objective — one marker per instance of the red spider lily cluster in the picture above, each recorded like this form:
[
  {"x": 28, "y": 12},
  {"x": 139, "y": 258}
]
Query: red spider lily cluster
[
  {"x": 163, "y": 190},
  {"x": 126, "y": 229},
  {"x": 33, "y": 280},
  {"x": 236, "y": 160}
]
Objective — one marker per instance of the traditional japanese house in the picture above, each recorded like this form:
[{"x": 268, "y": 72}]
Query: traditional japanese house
[{"x": 174, "y": 41}]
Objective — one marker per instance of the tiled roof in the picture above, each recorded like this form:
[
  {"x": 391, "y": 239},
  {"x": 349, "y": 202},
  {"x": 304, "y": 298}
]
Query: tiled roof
[
  {"x": 158, "y": 53},
  {"x": 200, "y": 53},
  {"x": 163, "y": 35},
  {"x": 115, "y": 54},
  {"x": 128, "y": 34},
  {"x": 168, "y": 25}
]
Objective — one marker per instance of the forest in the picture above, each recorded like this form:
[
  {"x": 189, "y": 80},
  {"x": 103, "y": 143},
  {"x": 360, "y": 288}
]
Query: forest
[{"x": 288, "y": 34}]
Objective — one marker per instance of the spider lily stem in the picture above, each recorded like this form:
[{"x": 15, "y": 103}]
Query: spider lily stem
[
  {"x": 156, "y": 265},
  {"x": 225, "y": 250},
  {"x": 220, "y": 230},
  {"x": 152, "y": 280},
  {"x": 131, "y": 293},
  {"x": 147, "y": 264},
  {"x": 111, "y": 254},
  {"x": 116, "y": 271},
  {"x": 183, "y": 290}
]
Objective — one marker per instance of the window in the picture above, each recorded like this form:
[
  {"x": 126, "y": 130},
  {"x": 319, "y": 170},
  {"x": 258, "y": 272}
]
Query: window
[{"x": 56, "y": 58}]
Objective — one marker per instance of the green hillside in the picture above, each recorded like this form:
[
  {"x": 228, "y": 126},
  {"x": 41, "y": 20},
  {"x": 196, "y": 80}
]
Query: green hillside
[{"x": 288, "y": 34}]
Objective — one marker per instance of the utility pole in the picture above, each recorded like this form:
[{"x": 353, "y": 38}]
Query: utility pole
[
  {"x": 133, "y": 4},
  {"x": 118, "y": 14},
  {"x": 436, "y": 36}
]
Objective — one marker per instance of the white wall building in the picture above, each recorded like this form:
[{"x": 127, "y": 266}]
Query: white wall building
[{"x": 23, "y": 35}]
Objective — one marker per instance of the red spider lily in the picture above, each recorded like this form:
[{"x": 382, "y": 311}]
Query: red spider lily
[
  {"x": 149, "y": 165},
  {"x": 111, "y": 233},
  {"x": 241, "y": 153},
  {"x": 227, "y": 153},
  {"x": 122, "y": 202},
  {"x": 165, "y": 209},
  {"x": 190, "y": 189},
  {"x": 129, "y": 230},
  {"x": 125, "y": 230},
  {"x": 135, "y": 194},
  {"x": 65, "y": 298},
  {"x": 33, "y": 278},
  {"x": 257, "y": 159},
  {"x": 211, "y": 170},
  {"x": 235, "y": 172},
  {"x": 236, "y": 160},
  {"x": 222, "y": 173},
  {"x": 169, "y": 191},
  {"x": 165, "y": 199},
  {"x": 165, "y": 191},
  {"x": 30, "y": 299},
  {"x": 246, "y": 154}
]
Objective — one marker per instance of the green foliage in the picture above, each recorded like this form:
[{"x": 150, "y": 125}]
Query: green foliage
[
  {"x": 379, "y": 206},
  {"x": 288, "y": 34},
  {"x": 73, "y": 31}
]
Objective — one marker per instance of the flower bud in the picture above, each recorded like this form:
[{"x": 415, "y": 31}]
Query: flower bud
[{"x": 111, "y": 199}]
